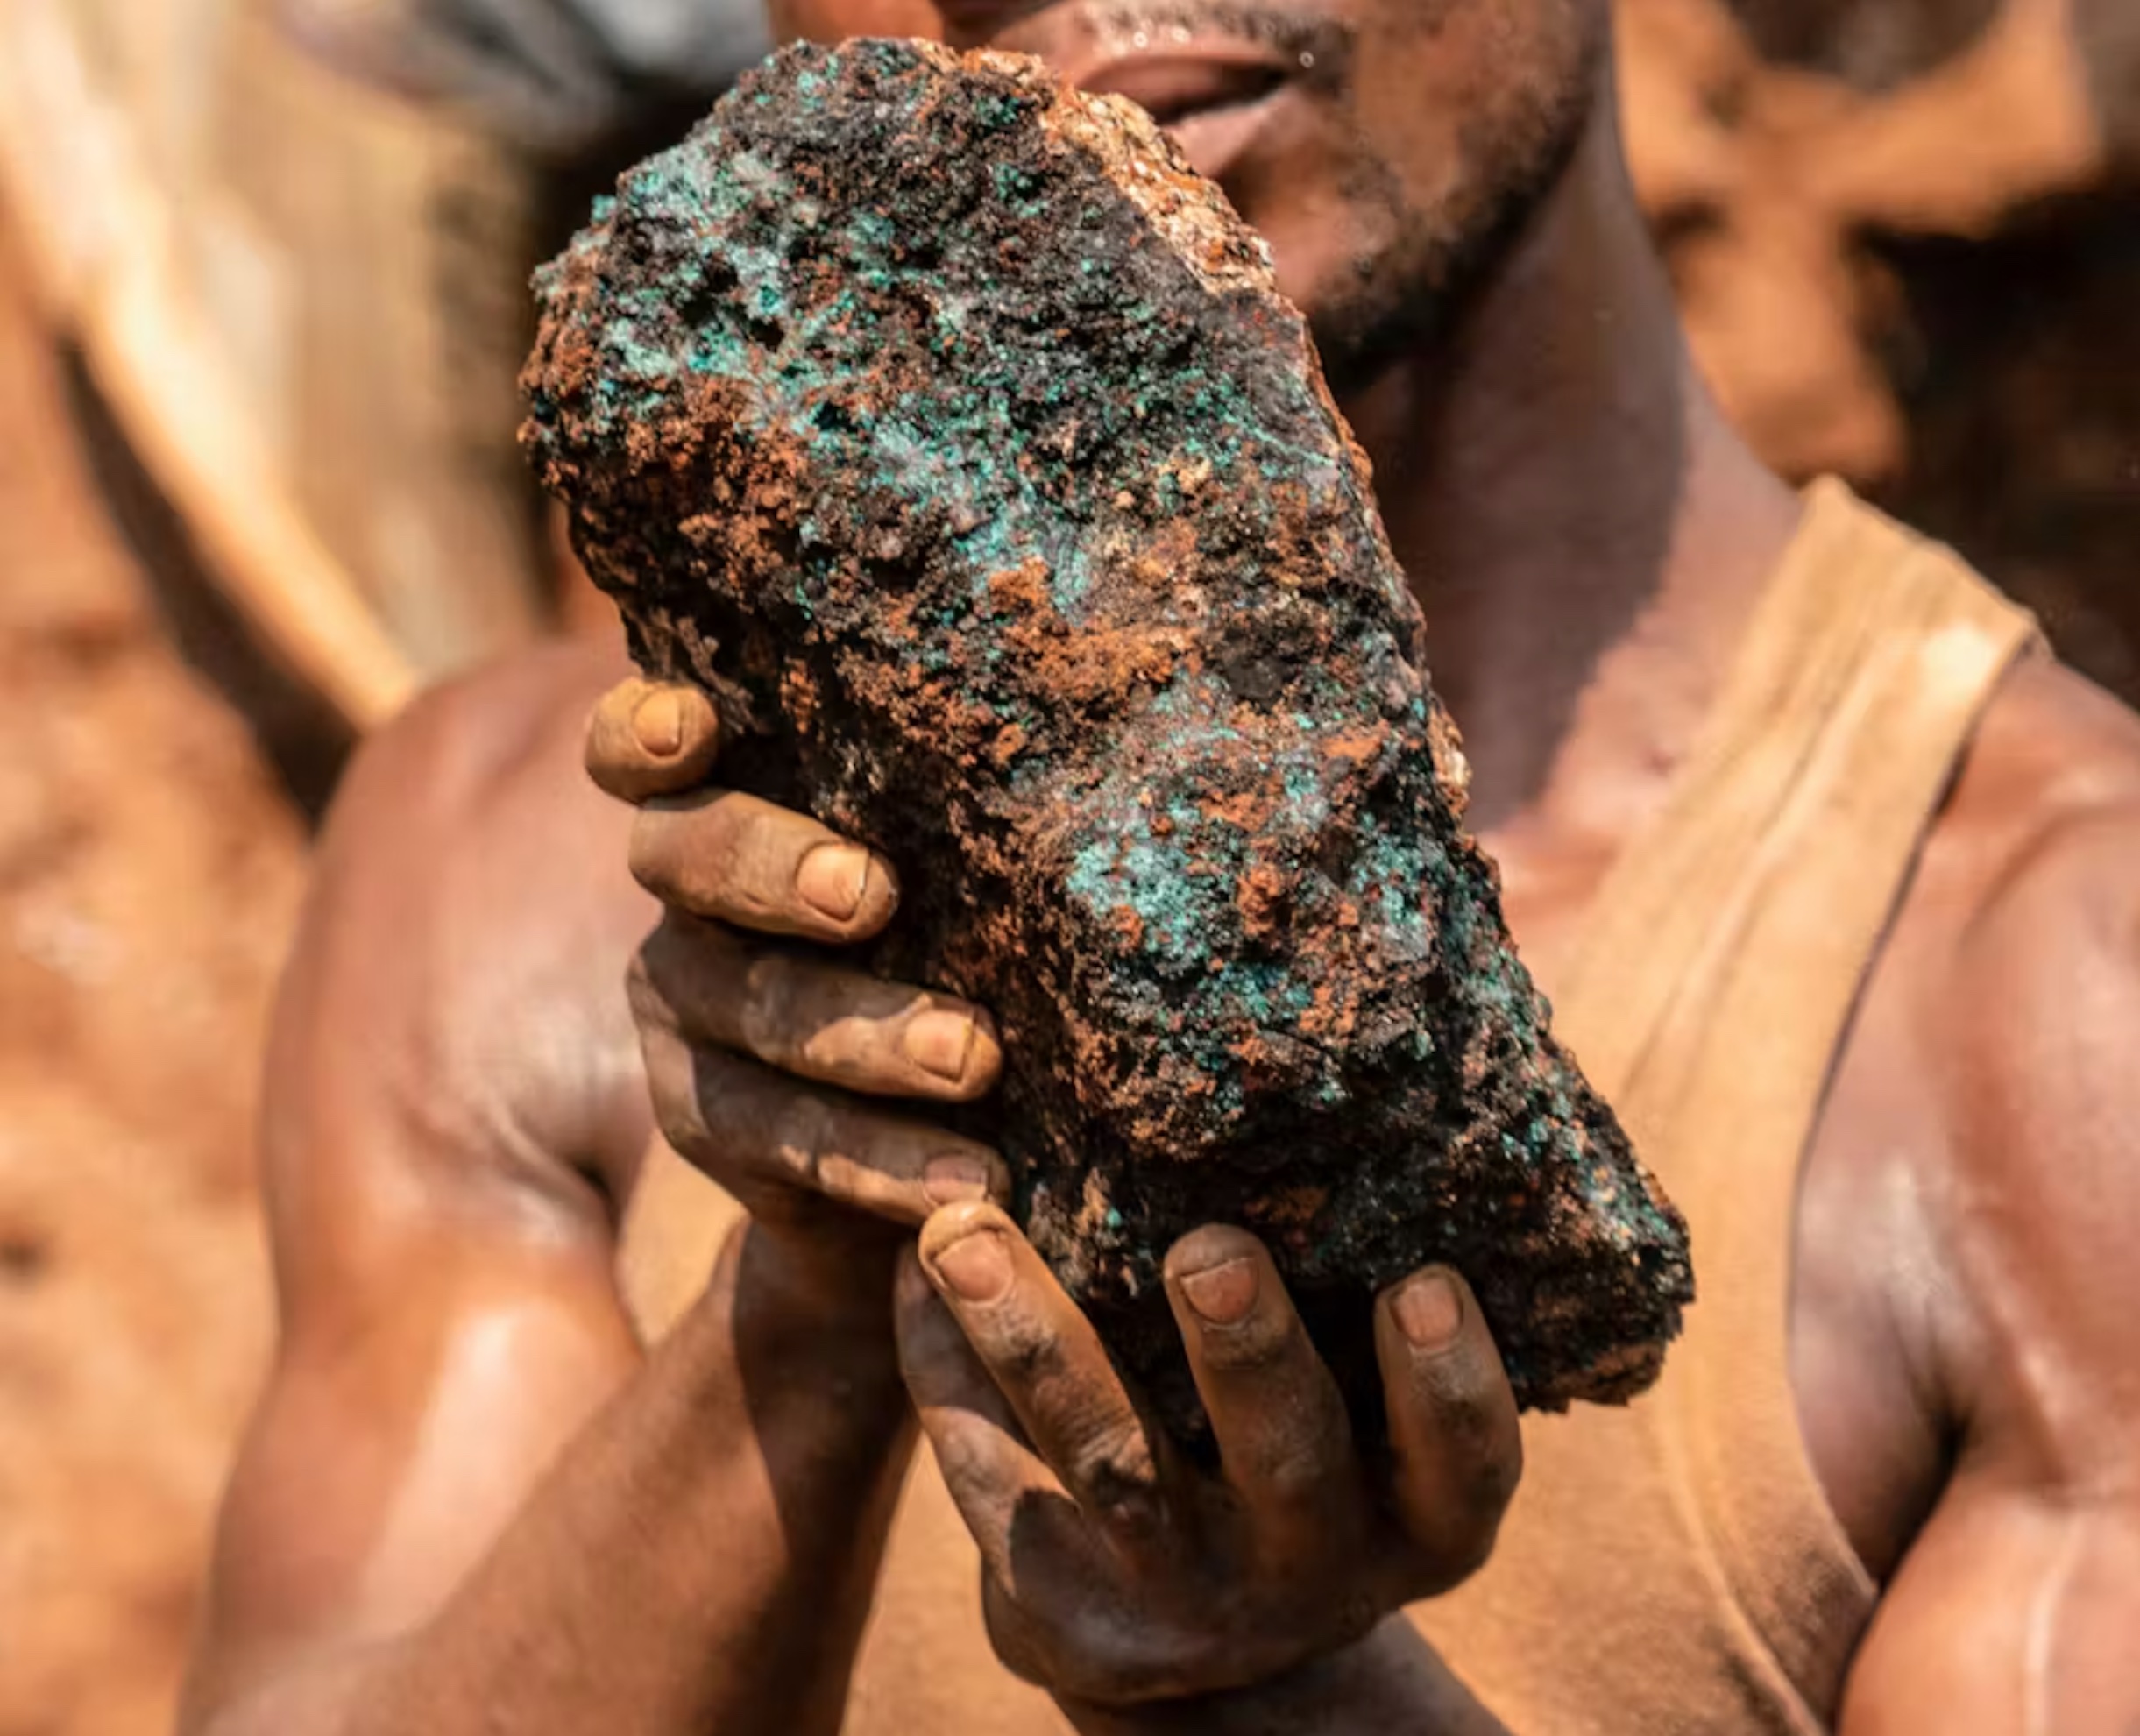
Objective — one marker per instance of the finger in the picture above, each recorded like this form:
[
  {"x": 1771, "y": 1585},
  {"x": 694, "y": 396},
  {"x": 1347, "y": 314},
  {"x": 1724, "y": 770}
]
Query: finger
[
  {"x": 989, "y": 1469},
  {"x": 813, "y": 1019},
  {"x": 1285, "y": 1442},
  {"x": 1457, "y": 1448},
  {"x": 736, "y": 858},
  {"x": 1049, "y": 1364},
  {"x": 751, "y": 1129},
  {"x": 651, "y": 738},
  {"x": 1040, "y": 1561}
]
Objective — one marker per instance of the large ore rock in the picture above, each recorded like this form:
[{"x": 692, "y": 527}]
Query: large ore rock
[{"x": 948, "y": 428}]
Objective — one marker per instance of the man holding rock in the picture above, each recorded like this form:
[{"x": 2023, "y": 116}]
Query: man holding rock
[{"x": 1823, "y": 864}]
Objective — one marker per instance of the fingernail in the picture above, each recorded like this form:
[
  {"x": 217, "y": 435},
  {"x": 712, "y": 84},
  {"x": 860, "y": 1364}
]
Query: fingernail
[
  {"x": 831, "y": 878},
  {"x": 1430, "y": 1312},
  {"x": 657, "y": 723},
  {"x": 940, "y": 1043},
  {"x": 976, "y": 1268},
  {"x": 1223, "y": 1294},
  {"x": 948, "y": 1179}
]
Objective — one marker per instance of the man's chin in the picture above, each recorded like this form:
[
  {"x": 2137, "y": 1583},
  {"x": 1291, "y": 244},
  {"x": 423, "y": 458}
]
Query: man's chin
[
  {"x": 1364, "y": 342},
  {"x": 1370, "y": 307}
]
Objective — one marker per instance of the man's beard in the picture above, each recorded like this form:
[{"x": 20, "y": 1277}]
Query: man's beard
[{"x": 1408, "y": 295}]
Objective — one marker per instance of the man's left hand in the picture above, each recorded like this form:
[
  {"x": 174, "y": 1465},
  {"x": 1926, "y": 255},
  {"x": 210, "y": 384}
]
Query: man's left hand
[{"x": 1116, "y": 1572}]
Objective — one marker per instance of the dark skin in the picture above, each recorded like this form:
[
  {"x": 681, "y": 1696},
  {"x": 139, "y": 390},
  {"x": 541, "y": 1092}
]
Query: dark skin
[{"x": 460, "y": 1419}]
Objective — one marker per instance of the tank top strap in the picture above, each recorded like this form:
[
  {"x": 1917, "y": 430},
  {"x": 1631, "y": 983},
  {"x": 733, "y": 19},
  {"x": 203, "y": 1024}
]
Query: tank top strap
[{"x": 1718, "y": 975}]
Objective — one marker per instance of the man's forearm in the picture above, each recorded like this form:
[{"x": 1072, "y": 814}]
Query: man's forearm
[
  {"x": 701, "y": 1559},
  {"x": 1390, "y": 1682}
]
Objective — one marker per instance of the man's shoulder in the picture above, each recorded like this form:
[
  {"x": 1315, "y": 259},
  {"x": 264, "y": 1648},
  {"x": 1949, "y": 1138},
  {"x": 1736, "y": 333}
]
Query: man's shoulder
[
  {"x": 2032, "y": 864},
  {"x": 2044, "y": 823},
  {"x": 461, "y": 966},
  {"x": 472, "y": 813},
  {"x": 468, "y": 839},
  {"x": 2031, "y": 1020}
]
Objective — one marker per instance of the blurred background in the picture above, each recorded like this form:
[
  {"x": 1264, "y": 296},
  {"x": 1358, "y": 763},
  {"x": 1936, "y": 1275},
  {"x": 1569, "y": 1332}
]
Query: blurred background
[{"x": 262, "y": 299}]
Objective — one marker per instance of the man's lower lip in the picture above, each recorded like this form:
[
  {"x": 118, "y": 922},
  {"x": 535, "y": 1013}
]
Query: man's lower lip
[{"x": 1213, "y": 139}]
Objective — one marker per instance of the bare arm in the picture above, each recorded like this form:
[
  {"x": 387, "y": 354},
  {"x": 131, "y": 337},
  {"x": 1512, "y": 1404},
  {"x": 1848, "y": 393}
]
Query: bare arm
[
  {"x": 466, "y": 1500},
  {"x": 2015, "y": 1609}
]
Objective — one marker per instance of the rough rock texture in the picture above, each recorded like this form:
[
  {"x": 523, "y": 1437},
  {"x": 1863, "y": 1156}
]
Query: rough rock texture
[{"x": 948, "y": 428}]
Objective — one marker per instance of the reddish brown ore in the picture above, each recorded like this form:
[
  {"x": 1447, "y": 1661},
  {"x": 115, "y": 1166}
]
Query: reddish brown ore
[{"x": 948, "y": 428}]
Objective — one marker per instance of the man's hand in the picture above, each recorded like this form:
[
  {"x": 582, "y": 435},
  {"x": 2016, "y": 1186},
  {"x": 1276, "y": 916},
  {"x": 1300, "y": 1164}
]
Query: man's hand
[
  {"x": 1116, "y": 1573},
  {"x": 763, "y": 1054}
]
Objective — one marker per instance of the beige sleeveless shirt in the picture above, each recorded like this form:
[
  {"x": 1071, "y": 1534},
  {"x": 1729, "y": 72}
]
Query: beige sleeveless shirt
[{"x": 1673, "y": 1566}]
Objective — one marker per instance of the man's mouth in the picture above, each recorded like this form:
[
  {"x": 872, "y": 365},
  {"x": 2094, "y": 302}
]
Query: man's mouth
[
  {"x": 1175, "y": 87},
  {"x": 1213, "y": 103},
  {"x": 1210, "y": 74}
]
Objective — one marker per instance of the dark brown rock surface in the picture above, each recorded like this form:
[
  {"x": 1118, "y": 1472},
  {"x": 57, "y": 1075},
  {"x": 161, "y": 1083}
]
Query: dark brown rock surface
[{"x": 949, "y": 429}]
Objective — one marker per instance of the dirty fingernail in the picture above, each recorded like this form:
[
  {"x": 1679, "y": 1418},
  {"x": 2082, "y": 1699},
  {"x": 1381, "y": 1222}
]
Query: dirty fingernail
[
  {"x": 948, "y": 1179},
  {"x": 1430, "y": 1312},
  {"x": 658, "y": 723},
  {"x": 976, "y": 1268},
  {"x": 1223, "y": 1294},
  {"x": 940, "y": 1043},
  {"x": 831, "y": 879}
]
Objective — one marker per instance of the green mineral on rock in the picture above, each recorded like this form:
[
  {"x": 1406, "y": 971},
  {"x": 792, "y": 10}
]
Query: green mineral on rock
[{"x": 948, "y": 428}]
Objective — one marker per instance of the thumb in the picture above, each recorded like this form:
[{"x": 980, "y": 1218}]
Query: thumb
[{"x": 648, "y": 739}]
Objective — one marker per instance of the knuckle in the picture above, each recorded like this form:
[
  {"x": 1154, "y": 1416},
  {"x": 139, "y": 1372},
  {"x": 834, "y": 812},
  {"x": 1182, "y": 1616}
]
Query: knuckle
[
  {"x": 802, "y": 1133},
  {"x": 1023, "y": 1350},
  {"x": 769, "y": 1007},
  {"x": 1463, "y": 1423},
  {"x": 1291, "y": 1468},
  {"x": 1113, "y": 1464},
  {"x": 969, "y": 1462},
  {"x": 1459, "y": 1404},
  {"x": 1264, "y": 1343}
]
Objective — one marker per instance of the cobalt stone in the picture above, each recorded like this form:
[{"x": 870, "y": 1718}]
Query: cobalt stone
[{"x": 949, "y": 430}]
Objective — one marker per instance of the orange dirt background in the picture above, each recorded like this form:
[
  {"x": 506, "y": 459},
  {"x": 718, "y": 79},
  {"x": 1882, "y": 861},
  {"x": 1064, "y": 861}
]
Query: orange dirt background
[
  {"x": 1908, "y": 238},
  {"x": 149, "y": 873}
]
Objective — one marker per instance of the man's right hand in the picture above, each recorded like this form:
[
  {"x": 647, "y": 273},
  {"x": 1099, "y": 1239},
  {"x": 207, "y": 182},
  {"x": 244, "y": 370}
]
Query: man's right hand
[{"x": 772, "y": 1065}]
